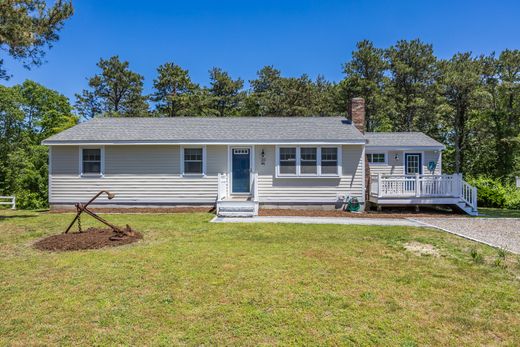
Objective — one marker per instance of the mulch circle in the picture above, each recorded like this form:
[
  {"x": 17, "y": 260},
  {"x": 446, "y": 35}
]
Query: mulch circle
[{"x": 91, "y": 238}]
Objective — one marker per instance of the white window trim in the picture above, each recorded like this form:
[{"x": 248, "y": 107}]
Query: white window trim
[
  {"x": 318, "y": 173},
  {"x": 203, "y": 174},
  {"x": 102, "y": 164},
  {"x": 385, "y": 153}
]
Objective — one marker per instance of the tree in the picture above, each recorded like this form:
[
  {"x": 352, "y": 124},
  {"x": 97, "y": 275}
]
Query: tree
[
  {"x": 29, "y": 113},
  {"x": 266, "y": 96},
  {"x": 502, "y": 84},
  {"x": 116, "y": 91},
  {"x": 225, "y": 93},
  {"x": 28, "y": 27},
  {"x": 174, "y": 91},
  {"x": 274, "y": 95},
  {"x": 460, "y": 83},
  {"x": 46, "y": 112},
  {"x": 412, "y": 70},
  {"x": 365, "y": 77}
]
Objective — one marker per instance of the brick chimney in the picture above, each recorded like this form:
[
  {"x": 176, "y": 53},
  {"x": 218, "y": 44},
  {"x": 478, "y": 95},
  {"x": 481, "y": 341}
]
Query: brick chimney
[{"x": 357, "y": 113}]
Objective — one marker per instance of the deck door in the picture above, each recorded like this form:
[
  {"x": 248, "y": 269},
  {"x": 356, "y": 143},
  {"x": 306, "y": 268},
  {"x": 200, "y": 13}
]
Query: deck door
[
  {"x": 413, "y": 163},
  {"x": 241, "y": 170},
  {"x": 412, "y": 166}
]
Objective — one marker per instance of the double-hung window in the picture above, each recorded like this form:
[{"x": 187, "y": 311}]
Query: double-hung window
[
  {"x": 376, "y": 158},
  {"x": 308, "y": 161},
  {"x": 329, "y": 160},
  {"x": 193, "y": 161},
  {"x": 91, "y": 161},
  {"x": 287, "y": 161}
]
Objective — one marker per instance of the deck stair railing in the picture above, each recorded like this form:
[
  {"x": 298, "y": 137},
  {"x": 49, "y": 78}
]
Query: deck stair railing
[{"x": 426, "y": 186}]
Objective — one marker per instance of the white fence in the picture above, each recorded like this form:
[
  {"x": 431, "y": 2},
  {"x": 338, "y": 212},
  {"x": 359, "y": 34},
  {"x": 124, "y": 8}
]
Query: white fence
[{"x": 12, "y": 201}]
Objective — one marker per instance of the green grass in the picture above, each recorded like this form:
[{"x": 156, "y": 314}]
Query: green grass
[
  {"x": 196, "y": 283},
  {"x": 498, "y": 212}
]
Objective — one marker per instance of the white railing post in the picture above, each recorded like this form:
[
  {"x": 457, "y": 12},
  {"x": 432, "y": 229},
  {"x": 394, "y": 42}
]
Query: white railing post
[
  {"x": 13, "y": 206},
  {"x": 255, "y": 187},
  {"x": 417, "y": 188},
  {"x": 219, "y": 186},
  {"x": 379, "y": 184},
  {"x": 474, "y": 198}
]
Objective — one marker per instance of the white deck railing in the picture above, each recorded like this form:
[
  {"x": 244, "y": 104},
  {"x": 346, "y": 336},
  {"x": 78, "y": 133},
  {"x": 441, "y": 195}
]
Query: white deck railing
[
  {"x": 222, "y": 190},
  {"x": 254, "y": 186},
  {"x": 423, "y": 186},
  {"x": 223, "y": 186},
  {"x": 12, "y": 201}
]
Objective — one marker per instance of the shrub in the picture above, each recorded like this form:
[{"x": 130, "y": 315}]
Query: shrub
[
  {"x": 491, "y": 192},
  {"x": 512, "y": 198}
]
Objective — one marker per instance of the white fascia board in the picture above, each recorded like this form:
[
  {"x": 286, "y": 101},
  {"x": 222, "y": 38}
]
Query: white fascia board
[
  {"x": 187, "y": 143},
  {"x": 404, "y": 148}
]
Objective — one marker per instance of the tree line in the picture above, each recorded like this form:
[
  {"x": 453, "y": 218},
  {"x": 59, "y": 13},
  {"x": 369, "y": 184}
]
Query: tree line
[{"x": 470, "y": 103}]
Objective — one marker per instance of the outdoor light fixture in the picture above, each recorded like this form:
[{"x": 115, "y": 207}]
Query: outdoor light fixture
[
  {"x": 396, "y": 157},
  {"x": 263, "y": 157}
]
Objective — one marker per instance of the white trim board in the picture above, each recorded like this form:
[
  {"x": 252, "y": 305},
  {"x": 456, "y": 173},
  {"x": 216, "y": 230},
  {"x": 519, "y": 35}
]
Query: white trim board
[{"x": 188, "y": 143}]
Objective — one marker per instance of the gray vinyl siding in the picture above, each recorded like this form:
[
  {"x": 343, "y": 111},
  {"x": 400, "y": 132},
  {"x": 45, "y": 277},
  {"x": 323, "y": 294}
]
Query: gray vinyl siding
[
  {"x": 217, "y": 158},
  {"x": 64, "y": 160},
  {"x": 319, "y": 189},
  {"x": 137, "y": 174},
  {"x": 142, "y": 160},
  {"x": 395, "y": 166},
  {"x": 150, "y": 174}
]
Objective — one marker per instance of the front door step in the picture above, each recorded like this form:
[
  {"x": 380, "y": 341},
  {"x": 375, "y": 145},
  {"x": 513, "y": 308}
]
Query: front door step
[{"x": 231, "y": 208}]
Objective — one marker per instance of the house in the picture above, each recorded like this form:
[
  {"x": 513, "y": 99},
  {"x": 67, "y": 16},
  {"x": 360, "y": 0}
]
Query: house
[{"x": 239, "y": 164}]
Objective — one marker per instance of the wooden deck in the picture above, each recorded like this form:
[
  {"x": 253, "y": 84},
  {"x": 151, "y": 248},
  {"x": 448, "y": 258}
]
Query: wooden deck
[{"x": 423, "y": 190}]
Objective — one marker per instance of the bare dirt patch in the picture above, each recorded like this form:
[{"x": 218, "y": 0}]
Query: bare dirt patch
[
  {"x": 92, "y": 238},
  {"x": 420, "y": 249}
]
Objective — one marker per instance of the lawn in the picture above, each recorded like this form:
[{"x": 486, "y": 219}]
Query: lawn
[
  {"x": 498, "y": 212},
  {"x": 196, "y": 283}
]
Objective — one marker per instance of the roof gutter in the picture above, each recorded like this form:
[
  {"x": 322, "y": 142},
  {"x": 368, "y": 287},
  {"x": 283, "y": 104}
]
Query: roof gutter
[
  {"x": 406, "y": 148},
  {"x": 187, "y": 143}
]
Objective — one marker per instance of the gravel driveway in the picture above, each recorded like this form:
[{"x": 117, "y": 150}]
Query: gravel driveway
[{"x": 498, "y": 232}]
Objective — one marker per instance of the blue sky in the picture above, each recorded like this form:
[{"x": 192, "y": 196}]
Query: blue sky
[{"x": 313, "y": 37}]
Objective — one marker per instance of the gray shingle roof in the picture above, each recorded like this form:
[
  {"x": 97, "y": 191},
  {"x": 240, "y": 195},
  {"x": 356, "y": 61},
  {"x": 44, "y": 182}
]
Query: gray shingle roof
[
  {"x": 401, "y": 139},
  {"x": 210, "y": 129}
]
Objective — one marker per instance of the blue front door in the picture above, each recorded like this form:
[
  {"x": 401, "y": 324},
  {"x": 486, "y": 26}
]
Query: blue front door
[{"x": 241, "y": 165}]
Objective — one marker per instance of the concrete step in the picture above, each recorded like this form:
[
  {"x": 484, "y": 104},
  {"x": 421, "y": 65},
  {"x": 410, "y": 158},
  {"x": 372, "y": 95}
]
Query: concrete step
[{"x": 233, "y": 208}]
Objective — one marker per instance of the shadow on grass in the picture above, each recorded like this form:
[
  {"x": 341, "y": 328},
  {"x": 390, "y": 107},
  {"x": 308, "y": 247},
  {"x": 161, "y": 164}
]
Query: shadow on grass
[{"x": 17, "y": 216}]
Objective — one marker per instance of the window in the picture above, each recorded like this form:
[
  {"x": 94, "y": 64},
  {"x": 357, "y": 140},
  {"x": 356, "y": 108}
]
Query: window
[
  {"x": 376, "y": 158},
  {"x": 288, "y": 160},
  {"x": 329, "y": 161},
  {"x": 308, "y": 161},
  {"x": 91, "y": 161},
  {"x": 193, "y": 161}
]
